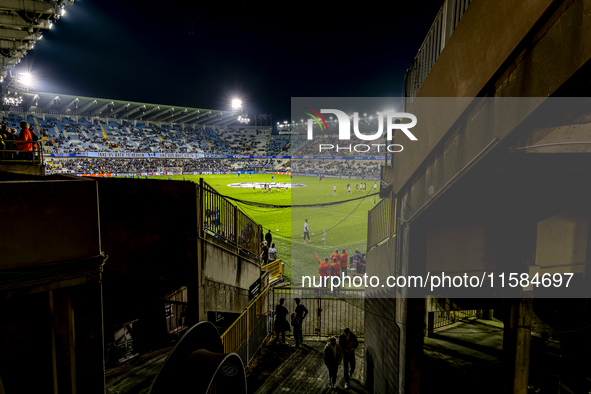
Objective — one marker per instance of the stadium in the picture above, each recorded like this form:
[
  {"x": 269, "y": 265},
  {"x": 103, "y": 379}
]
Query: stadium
[{"x": 165, "y": 229}]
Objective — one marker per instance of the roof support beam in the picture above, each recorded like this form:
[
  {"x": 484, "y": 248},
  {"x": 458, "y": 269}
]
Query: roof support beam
[
  {"x": 85, "y": 107},
  {"x": 117, "y": 110},
  {"x": 131, "y": 111},
  {"x": 199, "y": 116},
  {"x": 15, "y": 45},
  {"x": 151, "y": 110},
  {"x": 50, "y": 104},
  {"x": 215, "y": 120},
  {"x": 178, "y": 120},
  {"x": 100, "y": 109},
  {"x": 37, "y": 7},
  {"x": 173, "y": 115},
  {"x": 156, "y": 114},
  {"x": 29, "y": 102},
  {"x": 22, "y": 35},
  {"x": 17, "y": 21},
  {"x": 70, "y": 103}
]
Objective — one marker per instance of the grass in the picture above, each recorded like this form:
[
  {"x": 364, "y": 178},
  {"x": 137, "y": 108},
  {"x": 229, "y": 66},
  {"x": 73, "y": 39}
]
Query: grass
[{"x": 345, "y": 224}]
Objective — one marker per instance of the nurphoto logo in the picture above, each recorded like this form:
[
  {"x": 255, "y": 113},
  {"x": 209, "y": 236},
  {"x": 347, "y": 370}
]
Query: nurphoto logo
[{"x": 345, "y": 130}]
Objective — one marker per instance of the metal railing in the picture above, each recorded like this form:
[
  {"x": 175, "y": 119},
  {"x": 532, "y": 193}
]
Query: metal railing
[
  {"x": 248, "y": 332},
  {"x": 275, "y": 268},
  {"x": 21, "y": 156},
  {"x": 380, "y": 223},
  {"x": 444, "y": 318},
  {"x": 224, "y": 220},
  {"x": 328, "y": 313},
  {"x": 445, "y": 23}
]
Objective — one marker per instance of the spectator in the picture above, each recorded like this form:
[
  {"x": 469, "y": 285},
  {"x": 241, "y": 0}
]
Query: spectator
[
  {"x": 323, "y": 269},
  {"x": 268, "y": 237},
  {"x": 265, "y": 253},
  {"x": 272, "y": 253},
  {"x": 335, "y": 255},
  {"x": 300, "y": 314},
  {"x": 333, "y": 354},
  {"x": 349, "y": 343},
  {"x": 27, "y": 147},
  {"x": 344, "y": 261},
  {"x": 281, "y": 323},
  {"x": 335, "y": 267}
]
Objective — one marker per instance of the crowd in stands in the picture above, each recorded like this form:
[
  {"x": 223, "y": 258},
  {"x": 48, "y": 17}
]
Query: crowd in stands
[
  {"x": 337, "y": 167},
  {"x": 100, "y": 165},
  {"x": 312, "y": 148},
  {"x": 69, "y": 135},
  {"x": 105, "y": 166}
]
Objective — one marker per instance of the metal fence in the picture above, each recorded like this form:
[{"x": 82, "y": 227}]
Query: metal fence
[
  {"x": 380, "y": 223},
  {"x": 445, "y": 23},
  {"x": 444, "y": 318},
  {"x": 275, "y": 269},
  {"x": 328, "y": 312},
  {"x": 248, "y": 332},
  {"x": 224, "y": 220},
  {"x": 17, "y": 156}
]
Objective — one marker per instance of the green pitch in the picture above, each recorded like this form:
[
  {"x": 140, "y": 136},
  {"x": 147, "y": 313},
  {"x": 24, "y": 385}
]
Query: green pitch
[{"x": 345, "y": 224}]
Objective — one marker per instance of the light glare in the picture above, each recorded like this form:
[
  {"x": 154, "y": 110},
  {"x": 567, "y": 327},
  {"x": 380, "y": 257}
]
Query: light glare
[{"x": 236, "y": 103}]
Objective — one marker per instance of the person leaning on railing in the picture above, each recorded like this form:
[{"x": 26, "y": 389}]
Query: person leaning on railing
[{"x": 25, "y": 146}]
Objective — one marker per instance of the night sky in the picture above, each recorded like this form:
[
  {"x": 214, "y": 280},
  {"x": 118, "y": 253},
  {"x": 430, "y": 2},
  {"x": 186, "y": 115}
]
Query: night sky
[{"x": 201, "y": 55}]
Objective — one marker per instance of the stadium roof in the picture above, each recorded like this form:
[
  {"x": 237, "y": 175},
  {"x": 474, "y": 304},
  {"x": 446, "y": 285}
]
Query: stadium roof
[
  {"x": 67, "y": 105},
  {"x": 21, "y": 25}
]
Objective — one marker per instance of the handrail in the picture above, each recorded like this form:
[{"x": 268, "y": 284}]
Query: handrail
[
  {"x": 226, "y": 221},
  {"x": 379, "y": 223},
  {"x": 36, "y": 152},
  {"x": 275, "y": 268},
  {"x": 239, "y": 331},
  {"x": 445, "y": 23}
]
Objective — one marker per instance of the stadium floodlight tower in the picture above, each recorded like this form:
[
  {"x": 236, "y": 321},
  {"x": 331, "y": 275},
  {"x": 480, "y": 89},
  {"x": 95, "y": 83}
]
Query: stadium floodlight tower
[{"x": 236, "y": 105}]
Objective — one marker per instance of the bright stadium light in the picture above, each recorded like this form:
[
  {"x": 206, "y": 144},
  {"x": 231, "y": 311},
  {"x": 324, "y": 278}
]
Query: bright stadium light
[
  {"x": 236, "y": 104},
  {"x": 25, "y": 78}
]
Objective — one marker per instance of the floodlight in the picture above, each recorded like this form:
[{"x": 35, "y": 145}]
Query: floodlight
[
  {"x": 25, "y": 78},
  {"x": 236, "y": 104},
  {"x": 63, "y": 11}
]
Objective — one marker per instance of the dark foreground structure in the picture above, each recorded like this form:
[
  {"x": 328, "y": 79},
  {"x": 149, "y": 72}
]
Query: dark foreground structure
[
  {"x": 499, "y": 181},
  {"x": 95, "y": 272}
]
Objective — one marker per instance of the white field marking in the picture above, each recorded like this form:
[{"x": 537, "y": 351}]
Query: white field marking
[
  {"x": 343, "y": 204},
  {"x": 337, "y": 213},
  {"x": 317, "y": 246}
]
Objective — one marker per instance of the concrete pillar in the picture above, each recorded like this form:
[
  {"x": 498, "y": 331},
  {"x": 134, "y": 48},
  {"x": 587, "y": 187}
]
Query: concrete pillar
[
  {"x": 523, "y": 320},
  {"x": 77, "y": 339},
  {"x": 63, "y": 342}
]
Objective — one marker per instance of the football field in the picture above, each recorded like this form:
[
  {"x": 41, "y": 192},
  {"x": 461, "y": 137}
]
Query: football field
[{"x": 345, "y": 223}]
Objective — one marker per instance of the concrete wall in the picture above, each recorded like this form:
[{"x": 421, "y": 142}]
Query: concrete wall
[
  {"x": 460, "y": 248},
  {"x": 46, "y": 222},
  {"x": 382, "y": 344},
  {"x": 149, "y": 227},
  {"x": 503, "y": 62},
  {"x": 562, "y": 240},
  {"x": 226, "y": 277}
]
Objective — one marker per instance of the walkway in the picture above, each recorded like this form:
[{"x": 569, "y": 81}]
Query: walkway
[
  {"x": 283, "y": 368},
  {"x": 465, "y": 355}
]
